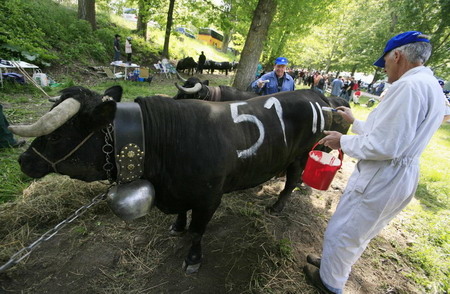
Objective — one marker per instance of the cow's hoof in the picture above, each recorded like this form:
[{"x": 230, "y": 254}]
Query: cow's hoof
[
  {"x": 174, "y": 232},
  {"x": 191, "y": 268}
]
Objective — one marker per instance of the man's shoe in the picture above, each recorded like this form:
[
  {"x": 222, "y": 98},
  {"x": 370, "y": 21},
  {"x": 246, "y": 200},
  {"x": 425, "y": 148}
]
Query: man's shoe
[
  {"x": 313, "y": 259},
  {"x": 313, "y": 276}
]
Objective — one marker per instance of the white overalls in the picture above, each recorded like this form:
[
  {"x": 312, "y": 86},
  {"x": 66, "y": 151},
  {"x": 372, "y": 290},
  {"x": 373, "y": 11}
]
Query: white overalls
[{"x": 388, "y": 146}]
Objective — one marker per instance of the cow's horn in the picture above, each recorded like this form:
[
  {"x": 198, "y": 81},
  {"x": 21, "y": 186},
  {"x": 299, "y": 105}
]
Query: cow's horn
[
  {"x": 180, "y": 77},
  {"x": 50, "y": 121},
  {"x": 54, "y": 99},
  {"x": 193, "y": 90}
]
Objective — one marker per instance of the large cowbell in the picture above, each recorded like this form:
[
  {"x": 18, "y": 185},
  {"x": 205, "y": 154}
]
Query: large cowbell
[
  {"x": 132, "y": 197},
  {"x": 132, "y": 200}
]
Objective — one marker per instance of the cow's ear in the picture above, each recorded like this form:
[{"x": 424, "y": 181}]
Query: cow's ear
[
  {"x": 115, "y": 92},
  {"x": 103, "y": 114},
  {"x": 205, "y": 82}
]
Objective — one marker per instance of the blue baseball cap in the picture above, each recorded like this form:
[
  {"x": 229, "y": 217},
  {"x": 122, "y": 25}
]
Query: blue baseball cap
[
  {"x": 400, "y": 40},
  {"x": 281, "y": 60}
]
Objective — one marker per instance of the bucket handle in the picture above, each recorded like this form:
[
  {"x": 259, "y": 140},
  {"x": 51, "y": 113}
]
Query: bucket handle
[{"x": 341, "y": 155}]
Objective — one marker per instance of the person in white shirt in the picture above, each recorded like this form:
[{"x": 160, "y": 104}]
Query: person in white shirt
[
  {"x": 388, "y": 147},
  {"x": 128, "y": 49}
]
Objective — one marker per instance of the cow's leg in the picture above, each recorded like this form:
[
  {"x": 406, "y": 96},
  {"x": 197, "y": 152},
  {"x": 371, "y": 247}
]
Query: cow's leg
[
  {"x": 200, "y": 219},
  {"x": 293, "y": 173},
  {"x": 179, "y": 226}
]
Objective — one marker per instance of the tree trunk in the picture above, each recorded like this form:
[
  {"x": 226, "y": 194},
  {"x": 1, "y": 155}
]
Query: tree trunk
[
  {"x": 375, "y": 75},
  {"x": 226, "y": 41},
  {"x": 86, "y": 11},
  {"x": 354, "y": 70},
  {"x": 142, "y": 21},
  {"x": 254, "y": 44},
  {"x": 168, "y": 29}
]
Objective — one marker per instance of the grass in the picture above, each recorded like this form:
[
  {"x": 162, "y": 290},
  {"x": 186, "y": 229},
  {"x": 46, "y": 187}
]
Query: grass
[
  {"x": 12, "y": 179},
  {"x": 429, "y": 223}
]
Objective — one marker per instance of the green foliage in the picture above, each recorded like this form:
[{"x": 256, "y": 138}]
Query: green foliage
[
  {"x": 31, "y": 34},
  {"x": 354, "y": 33},
  {"x": 12, "y": 179},
  {"x": 34, "y": 36}
]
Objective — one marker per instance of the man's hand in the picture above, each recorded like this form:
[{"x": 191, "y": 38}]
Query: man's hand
[
  {"x": 261, "y": 83},
  {"x": 332, "y": 140},
  {"x": 346, "y": 113}
]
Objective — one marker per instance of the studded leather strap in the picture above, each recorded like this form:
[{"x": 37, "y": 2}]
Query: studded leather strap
[{"x": 129, "y": 141}]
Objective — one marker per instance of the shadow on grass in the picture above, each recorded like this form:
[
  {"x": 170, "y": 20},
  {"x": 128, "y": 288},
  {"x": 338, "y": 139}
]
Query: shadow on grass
[
  {"x": 445, "y": 128},
  {"x": 429, "y": 199}
]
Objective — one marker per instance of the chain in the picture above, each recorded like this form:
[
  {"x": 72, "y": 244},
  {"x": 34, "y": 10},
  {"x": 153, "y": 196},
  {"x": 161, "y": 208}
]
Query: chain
[
  {"x": 24, "y": 252},
  {"x": 108, "y": 148}
]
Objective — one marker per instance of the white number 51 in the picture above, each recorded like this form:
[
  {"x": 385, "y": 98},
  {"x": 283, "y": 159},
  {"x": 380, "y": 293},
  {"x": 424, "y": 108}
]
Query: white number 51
[{"x": 238, "y": 118}]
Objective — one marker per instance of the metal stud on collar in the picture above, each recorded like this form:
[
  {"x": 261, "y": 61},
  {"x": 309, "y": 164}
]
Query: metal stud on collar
[{"x": 130, "y": 163}]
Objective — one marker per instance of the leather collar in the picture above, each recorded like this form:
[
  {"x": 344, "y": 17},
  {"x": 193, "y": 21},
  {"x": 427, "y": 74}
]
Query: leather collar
[
  {"x": 214, "y": 94},
  {"x": 129, "y": 142}
]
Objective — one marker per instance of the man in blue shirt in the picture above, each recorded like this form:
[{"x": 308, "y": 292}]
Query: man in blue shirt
[
  {"x": 336, "y": 86},
  {"x": 276, "y": 80}
]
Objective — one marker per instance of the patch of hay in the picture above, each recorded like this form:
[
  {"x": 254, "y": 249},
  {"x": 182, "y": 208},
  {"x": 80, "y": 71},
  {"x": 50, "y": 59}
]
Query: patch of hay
[{"x": 44, "y": 203}]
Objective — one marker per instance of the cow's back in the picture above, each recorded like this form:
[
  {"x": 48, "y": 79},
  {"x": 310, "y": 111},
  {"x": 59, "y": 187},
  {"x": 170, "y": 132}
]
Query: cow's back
[
  {"x": 199, "y": 147},
  {"x": 298, "y": 113}
]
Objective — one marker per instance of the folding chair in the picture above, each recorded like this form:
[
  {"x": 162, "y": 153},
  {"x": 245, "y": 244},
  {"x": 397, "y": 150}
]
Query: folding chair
[
  {"x": 168, "y": 68},
  {"x": 171, "y": 69},
  {"x": 110, "y": 74},
  {"x": 161, "y": 69}
]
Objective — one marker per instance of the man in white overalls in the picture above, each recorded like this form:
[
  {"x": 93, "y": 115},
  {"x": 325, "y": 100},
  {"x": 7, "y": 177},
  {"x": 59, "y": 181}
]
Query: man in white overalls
[{"x": 388, "y": 147}]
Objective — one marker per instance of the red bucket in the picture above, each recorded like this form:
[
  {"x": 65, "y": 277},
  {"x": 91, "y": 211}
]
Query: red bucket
[{"x": 321, "y": 168}]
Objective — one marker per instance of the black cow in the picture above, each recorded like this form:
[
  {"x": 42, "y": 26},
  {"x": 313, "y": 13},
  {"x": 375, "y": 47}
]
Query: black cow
[
  {"x": 234, "y": 65},
  {"x": 222, "y": 67},
  {"x": 211, "y": 65},
  {"x": 187, "y": 64},
  {"x": 195, "y": 150},
  {"x": 193, "y": 88}
]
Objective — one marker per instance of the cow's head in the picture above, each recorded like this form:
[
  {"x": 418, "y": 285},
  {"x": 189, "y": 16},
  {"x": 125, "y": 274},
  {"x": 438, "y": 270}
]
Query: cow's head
[
  {"x": 69, "y": 140},
  {"x": 192, "y": 88}
]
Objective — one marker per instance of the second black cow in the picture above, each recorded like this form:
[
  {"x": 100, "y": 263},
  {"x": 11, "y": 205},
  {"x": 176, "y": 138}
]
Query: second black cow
[
  {"x": 187, "y": 64},
  {"x": 193, "y": 88}
]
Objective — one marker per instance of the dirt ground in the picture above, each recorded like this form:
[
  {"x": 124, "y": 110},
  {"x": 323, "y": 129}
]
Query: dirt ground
[{"x": 245, "y": 250}]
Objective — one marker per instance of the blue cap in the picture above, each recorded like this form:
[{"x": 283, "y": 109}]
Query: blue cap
[
  {"x": 400, "y": 40},
  {"x": 281, "y": 60}
]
